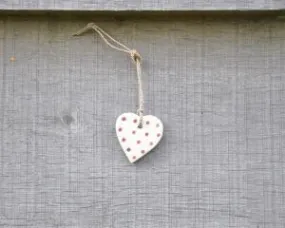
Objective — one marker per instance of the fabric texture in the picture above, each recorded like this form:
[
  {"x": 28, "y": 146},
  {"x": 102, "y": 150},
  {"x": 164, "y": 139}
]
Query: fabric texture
[
  {"x": 217, "y": 85},
  {"x": 143, "y": 5}
]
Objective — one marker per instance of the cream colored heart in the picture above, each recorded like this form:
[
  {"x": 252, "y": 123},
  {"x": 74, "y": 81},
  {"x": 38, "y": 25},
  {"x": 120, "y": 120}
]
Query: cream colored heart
[{"x": 137, "y": 141}]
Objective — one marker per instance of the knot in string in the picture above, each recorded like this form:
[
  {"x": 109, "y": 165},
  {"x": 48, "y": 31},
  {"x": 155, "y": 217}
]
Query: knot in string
[{"x": 135, "y": 56}]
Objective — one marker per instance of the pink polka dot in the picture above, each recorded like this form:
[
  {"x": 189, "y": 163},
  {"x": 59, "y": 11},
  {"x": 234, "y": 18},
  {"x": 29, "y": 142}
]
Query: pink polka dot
[
  {"x": 147, "y": 122},
  {"x": 151, "y": 143},
  {"x": 142, "y": 151},
  {"x": 123, "y": 140},
  {"x": 134, "y": 157},
  {"x": 124, "y": 118},
  {"x": 133, "y": 132},
  {"x": 138, "y": 142},
  {"x": 120, "y": 129},
  {"x": 135, "y": 121},
  {"x": 146, "y": 134},
  {"x": 158, "y": 135},
  {"x": 129, "y": 149}
]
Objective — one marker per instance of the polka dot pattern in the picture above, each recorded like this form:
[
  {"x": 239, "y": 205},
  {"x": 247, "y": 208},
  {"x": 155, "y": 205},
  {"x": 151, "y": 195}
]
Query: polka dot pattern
[{"x": 137, "y": 141}]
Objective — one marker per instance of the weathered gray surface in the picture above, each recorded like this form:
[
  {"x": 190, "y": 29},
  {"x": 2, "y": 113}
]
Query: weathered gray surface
[
  {"x": 144, "y": 5},
  {"x": 218, "y": 86}
]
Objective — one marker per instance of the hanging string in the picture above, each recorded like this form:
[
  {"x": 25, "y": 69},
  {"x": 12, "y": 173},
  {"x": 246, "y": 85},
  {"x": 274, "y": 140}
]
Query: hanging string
[{"x": 135, "y": 56}]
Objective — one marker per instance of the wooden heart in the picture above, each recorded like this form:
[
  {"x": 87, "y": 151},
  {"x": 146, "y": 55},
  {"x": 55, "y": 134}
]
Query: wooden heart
[{"x": 137, "y": 141}]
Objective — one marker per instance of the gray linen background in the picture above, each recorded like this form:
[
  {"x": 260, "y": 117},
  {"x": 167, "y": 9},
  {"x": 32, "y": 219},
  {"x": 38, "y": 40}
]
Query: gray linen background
[
  {"x": 143, "y": 4},
  {"x": 218, "y": 86}
]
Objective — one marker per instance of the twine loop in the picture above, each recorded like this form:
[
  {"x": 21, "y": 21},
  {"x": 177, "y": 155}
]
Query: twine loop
[{"x": 135, "y": 56}]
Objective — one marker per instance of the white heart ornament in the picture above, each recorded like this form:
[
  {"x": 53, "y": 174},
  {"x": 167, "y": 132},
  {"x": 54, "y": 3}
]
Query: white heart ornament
[{"x": 138, "y": 141}]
